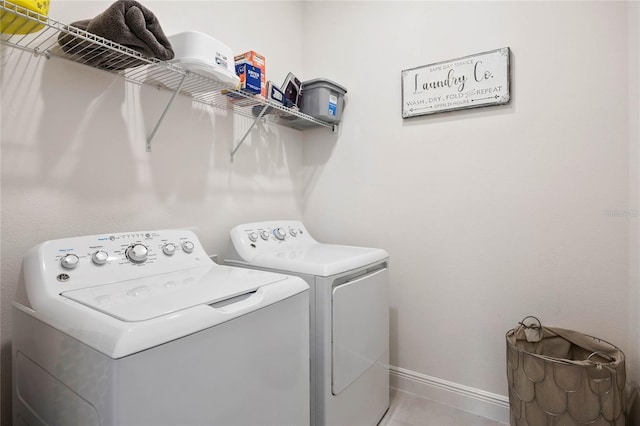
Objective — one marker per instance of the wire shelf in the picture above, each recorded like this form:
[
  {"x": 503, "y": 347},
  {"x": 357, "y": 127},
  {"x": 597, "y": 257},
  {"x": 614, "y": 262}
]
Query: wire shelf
[{"x": 74, "y": 44}]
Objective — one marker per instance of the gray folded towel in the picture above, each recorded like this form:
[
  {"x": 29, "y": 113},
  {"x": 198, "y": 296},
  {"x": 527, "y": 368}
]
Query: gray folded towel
[{"x": 127, "y": 23}]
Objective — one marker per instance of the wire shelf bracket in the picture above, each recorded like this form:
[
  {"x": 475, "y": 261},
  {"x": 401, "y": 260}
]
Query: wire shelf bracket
[
  {"x": 248, "y": 131},
  {"x": 166, "y": 109}
]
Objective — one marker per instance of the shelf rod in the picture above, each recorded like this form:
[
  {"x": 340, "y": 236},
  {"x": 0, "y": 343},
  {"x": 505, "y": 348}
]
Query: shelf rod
[
  {"x": 155, "y": 129},
  {"x": 249, "y": 130}
]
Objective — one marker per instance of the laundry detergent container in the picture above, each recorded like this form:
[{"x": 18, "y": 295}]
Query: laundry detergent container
[
  {"x": 323, "y": 99},
  {"x": 563, "y": 377},
  {"x": 29, "y": 16}
]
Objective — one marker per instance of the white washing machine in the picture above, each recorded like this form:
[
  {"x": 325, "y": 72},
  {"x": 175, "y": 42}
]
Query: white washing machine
[
  {"x": 144, "y": 329},
  {"x": 349, "y": 315}
]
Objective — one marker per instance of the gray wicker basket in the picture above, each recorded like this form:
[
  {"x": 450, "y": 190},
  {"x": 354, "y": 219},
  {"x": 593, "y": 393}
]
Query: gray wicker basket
[{"x": 562, "y": 377}]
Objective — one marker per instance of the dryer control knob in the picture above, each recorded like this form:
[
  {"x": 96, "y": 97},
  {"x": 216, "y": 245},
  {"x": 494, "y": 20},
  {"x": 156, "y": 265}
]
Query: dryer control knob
[
  {"x": 253, "y": 237},
  {"x": 169, "y": 249},
  {"x": 264, "y": 235},
  {"x": 293, "y": 232},
  {"x": 279, "y": 233},
  {"x": 100, "y": 257},
  {"x": 69, "y": 261},
  {"x": 137, "y": 253},
  {"x": 187, "y": 246}
]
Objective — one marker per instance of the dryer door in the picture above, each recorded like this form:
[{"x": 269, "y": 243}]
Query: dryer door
[{"x": 360, "y": 327}]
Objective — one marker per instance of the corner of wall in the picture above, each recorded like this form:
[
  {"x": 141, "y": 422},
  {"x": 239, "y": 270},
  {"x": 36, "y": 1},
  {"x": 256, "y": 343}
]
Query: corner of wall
[{"x": 633, "y": 357}]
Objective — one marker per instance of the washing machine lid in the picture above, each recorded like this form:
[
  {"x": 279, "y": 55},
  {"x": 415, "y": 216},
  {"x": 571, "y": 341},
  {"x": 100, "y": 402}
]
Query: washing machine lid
[
  {"x": 319, "y": 259},
  {"x": 156, "y": 296}
]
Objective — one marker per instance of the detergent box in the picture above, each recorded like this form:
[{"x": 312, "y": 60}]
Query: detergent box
[
  {"x": 249, "y": 78},
  {"x": 256, "y": 60}
]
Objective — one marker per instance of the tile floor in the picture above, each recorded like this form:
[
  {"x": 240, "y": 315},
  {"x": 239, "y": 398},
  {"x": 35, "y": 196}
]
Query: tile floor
[{"x": 409, "y": 410}]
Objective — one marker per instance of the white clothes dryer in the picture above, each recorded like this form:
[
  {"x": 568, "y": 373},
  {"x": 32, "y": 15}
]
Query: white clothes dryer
[
  {"x": 145, "y": 329},
  {"x": 349, "y": 315}
]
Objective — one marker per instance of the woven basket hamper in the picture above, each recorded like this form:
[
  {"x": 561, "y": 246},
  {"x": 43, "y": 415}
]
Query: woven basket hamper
[{"x": 563, "y": 377}]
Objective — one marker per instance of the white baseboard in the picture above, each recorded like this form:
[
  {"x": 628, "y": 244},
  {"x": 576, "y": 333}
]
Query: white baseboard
[{"x": 472, "y": 400}]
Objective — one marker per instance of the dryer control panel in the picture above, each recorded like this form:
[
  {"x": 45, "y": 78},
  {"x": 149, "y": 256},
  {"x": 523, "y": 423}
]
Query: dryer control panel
[
  {"x": 287, "y": 246},
  {"x": 251, "y": 239},
  {"x": 56, "y": 266}
]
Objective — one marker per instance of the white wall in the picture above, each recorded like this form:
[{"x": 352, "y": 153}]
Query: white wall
[
  {"x": 73, "y": 158},
  {"x": 489, "y": 215},
  {"x": 492, "y": 214}
]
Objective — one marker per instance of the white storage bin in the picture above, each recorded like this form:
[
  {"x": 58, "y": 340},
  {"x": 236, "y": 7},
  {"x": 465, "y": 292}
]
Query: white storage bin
[{"x": 206, "y": 56}]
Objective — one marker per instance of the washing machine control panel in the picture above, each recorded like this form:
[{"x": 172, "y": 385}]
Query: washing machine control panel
[{"x": 87, "y": 261}]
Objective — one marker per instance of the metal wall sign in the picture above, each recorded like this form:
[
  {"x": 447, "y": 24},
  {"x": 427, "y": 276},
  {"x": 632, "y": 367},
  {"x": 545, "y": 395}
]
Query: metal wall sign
[{"x": 470, "y": 82}]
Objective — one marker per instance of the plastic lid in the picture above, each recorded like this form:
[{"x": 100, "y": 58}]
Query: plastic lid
[{"x": 323, "y": 82}]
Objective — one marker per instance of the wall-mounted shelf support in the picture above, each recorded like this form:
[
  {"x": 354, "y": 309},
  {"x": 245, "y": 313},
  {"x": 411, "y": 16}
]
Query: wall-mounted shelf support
[
  {"x": 155, "y": 129},
  {"x": 249, "y": 130}
]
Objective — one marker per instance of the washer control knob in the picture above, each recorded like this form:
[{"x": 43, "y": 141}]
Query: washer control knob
[
  {"x": 69, "y": 261},
  {"x": 137, "y": 253},
  {"x": 169, "y": 249},
  {"x": 100, "y": 257},
  {"x": 264, "y": 235},
  {"x": 187, "y": 246},
  {"x": 279, "y": 233},
  {"x": 253, "y": 236},
  {"x": 293, "y": 232}
]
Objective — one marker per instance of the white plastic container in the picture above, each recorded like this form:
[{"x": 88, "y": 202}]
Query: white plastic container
[
  {"x": 323, "y": 99},
  {"x": 206, "y": 56}
]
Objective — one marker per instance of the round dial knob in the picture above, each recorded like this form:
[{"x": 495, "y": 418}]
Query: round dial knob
[
  {"x": 253, "y": 237},
  {"x": 69, "y": 261},
  {"x": 293, "y": 232},
  {"x": 100, "y": 257},
  {"x": 187, "y": 246},
  {"x": 137, "y": 253},
  {"x": 169, "y": 249},
  {"x": 264, "y": 235},
  {"x": 279, "y": 233}
]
